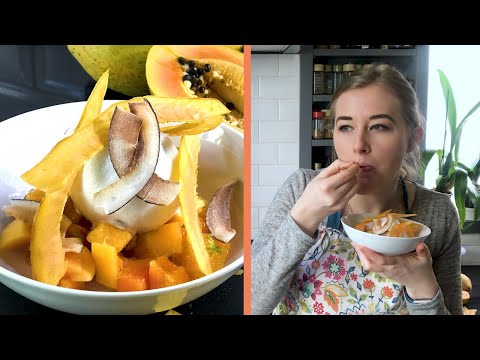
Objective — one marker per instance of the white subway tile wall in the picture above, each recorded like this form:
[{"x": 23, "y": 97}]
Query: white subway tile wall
[{"x": 275, "y": 127}]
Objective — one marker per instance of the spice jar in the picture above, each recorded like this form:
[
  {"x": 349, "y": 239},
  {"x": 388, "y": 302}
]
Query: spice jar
[
  {"x": 318, "y": 125},
  {"x": 337, "y": 76},
  {"x": 348, "y": 70},
  {"x": 319, "y": 79},
  {"x": 328, "y": 80},
  {"x": 328, "y": 124}
]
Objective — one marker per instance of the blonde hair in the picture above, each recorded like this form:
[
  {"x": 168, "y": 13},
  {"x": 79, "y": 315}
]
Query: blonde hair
[{"x": 392, "y": 80}]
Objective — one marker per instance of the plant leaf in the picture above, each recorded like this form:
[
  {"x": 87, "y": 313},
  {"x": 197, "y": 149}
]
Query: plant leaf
[
  {"x": 426, "y": 157},
  {"x": 474, "y": 196},
  {"x": 451, "y": 107},
  {"x": 460, "y": 190},
  {"x": 462, "y": 123}
]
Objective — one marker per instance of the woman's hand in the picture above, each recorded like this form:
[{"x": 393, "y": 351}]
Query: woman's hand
[
  {"x": 327, "y": 193},
  {"x": 414, "y": 269}
]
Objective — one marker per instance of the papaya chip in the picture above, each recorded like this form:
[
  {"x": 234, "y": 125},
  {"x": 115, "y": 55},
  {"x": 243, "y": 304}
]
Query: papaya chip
[
  {"x": 188, "y": 153},
  {"x": 47, "y": 255},
  {"x": 390, "y": 224}
]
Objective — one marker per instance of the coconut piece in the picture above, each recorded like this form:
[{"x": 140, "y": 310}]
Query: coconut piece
[
  {"x": 120, "y": 192},
  {"x": 157, "y": 190},
  {"x": 25, "y": 210},
  {"x": 122, "y": 139},
  {"x": 72, "y": 244},
  {"x": 465, "y": 297},
  {"x": 385, "y": 225},
  {"x": 218, "y": 214}
]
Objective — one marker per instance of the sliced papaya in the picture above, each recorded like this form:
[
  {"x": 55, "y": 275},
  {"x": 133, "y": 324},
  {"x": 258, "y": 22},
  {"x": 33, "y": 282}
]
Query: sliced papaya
[
  {"x": 199, "y": 71},
  {"x": 189, "y": 150}
]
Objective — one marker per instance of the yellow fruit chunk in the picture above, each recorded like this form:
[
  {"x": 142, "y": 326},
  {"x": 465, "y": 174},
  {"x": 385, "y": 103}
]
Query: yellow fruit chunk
[
  {"x": 190, "y": 110},
  {"x": 109, "y": 234},
  {"x": 46, "y": 251},
  {"x": 107, "y": 264},
  {"x": 35, "y": 195},
  {"x": 126, "y": 64},
  {"x": 15, "y": 235},
  {"x": 165, "y": 273},
  {"x": 188, "y": 152},
  {"x": 193, "y": 128},
  {"x": 217, "y": 253},
  {"x": 133, "y": 276},
  {"x": 80, "y": 266},
  {"x": 166, "y": 240},
  {"x": 466, "y": 283},
  {"x": 66, "y": 282}
]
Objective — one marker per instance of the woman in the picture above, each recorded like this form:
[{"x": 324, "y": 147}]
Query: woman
[{"x": 300, "y": 262}]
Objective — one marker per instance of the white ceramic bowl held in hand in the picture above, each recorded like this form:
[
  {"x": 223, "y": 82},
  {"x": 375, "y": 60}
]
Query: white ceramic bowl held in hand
[
  {"x": 385, "y": 245},
  {"x": 27, "y": 138}
]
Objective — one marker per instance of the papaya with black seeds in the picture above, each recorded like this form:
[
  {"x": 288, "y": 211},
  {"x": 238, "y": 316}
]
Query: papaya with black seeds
[{"x": 205, "y": 71}]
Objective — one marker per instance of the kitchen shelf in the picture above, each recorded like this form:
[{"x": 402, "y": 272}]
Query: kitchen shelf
[
  {"x": 365, "y": 52},
  {"x": 322, "y": 98},
  {"x": 322, "y": 142}
]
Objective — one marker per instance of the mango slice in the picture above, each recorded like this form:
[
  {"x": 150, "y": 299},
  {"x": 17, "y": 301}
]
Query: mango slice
[
  {"x": 54, "y": 175},
  {"x": 46, "y": 251},
  {"x": 188, "y": 152},
  {"x": 94, "y": 107}
]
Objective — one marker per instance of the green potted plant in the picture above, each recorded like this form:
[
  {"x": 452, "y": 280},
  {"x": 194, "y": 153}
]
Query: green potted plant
[{"x": 452, "y": 173}]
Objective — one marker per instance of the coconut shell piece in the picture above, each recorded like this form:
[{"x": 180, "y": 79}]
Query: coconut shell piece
[{"x": 218, "y": 213}]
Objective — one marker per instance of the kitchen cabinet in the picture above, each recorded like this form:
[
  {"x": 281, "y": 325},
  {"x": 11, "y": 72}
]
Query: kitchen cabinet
[{"x": 412, "y": 62}]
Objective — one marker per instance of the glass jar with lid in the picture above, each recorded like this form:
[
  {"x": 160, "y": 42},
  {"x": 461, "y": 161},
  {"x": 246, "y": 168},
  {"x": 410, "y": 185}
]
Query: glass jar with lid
[
  {"x": 348, "y": 70},
  {"x": 319, "y": 79},
  {"x": 318, "y": 125},
  {"x": 328, "y": 80},
  {"x": 337, "y": 76},
  {"x": 328, "y": 124}
]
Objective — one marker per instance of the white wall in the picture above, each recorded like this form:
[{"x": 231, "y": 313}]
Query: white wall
[{"x": 275, "y": 127}]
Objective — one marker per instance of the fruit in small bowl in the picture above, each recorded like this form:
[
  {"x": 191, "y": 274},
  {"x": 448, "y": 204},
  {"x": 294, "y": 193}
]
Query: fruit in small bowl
[{"x": 391, "y": 235}]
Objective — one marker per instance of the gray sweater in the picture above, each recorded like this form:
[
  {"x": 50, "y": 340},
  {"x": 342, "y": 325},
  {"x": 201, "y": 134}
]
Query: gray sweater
[{"x": 280, "y": 245}]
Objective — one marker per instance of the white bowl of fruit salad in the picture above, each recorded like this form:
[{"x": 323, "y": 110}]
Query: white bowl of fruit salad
[
  {"x": 113, "y": 249},
  {"x": 386, "y": 233}
]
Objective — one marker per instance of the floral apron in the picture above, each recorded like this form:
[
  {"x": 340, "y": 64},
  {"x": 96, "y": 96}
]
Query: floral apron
[{"x": 330, "y": 280}]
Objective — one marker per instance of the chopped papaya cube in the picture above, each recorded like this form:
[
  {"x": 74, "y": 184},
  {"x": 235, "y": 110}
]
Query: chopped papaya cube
[
  {"x": 109, "y": 234},
  {"x": 15, "y": 235},
  {"x": 133, "y": 276},
  {"x": 80, "y": 266},
  {"x": 166, "y": 240},
  {"x": 107, "y": 264},
  {"x": 67, "y": 282},
  {"x": 163, "y": 273}
]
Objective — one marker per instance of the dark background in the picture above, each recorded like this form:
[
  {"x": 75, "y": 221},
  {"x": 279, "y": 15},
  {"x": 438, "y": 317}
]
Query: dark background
[{"x": 36, "y": 76}]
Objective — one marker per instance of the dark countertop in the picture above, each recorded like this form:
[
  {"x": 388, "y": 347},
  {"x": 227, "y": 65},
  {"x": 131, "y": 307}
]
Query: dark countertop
[{"x": 36, "y": 76}]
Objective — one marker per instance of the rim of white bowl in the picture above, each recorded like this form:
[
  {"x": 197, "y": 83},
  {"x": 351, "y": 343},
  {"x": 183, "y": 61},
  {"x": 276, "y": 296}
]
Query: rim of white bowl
[
  {"x": 381, "y": 236},
  {"x": 237, "y": 264}
]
